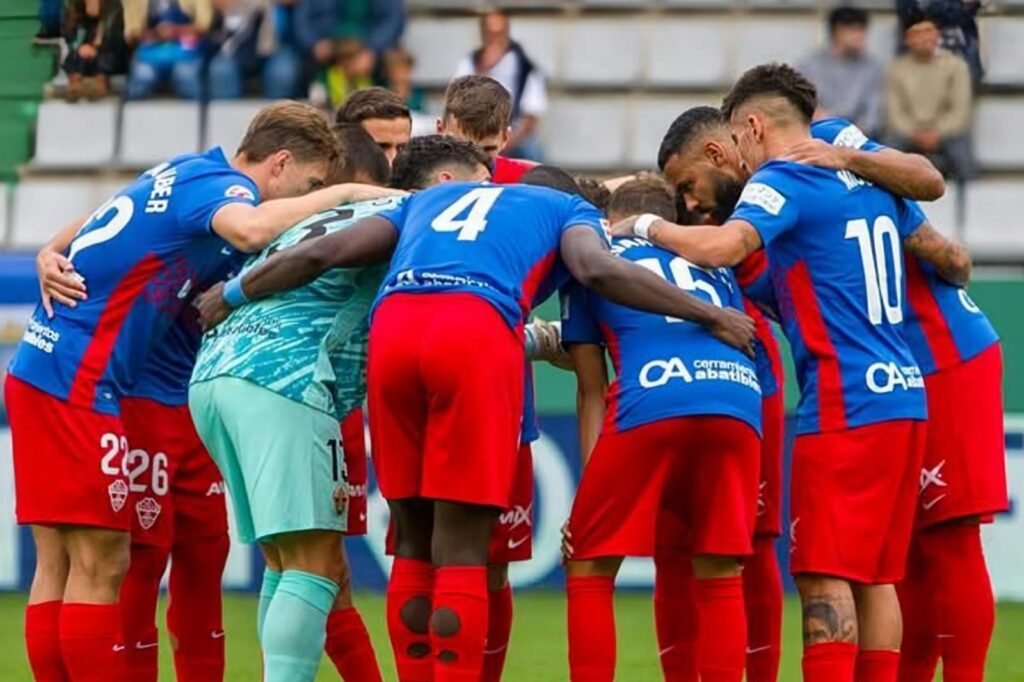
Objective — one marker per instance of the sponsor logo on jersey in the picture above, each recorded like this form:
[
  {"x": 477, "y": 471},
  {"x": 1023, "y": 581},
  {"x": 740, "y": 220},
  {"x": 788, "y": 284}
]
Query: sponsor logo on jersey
[
  {"x": 216, "y": 488},
  {"x": 850, "y": 136},
  {"x": 240, "y": 191},
  {"x": 657, "y": 373},
  {"x": 764, "y": 196},
  {"x": 967, "y": 302},
  {"x": 40, "y": 336},
  {"x": 886, "y": 377},
  {"x": 148, "y": 511}
]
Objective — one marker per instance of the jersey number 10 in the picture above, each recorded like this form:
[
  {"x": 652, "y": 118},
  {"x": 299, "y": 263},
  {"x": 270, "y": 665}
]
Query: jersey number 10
[{"x": 879, "y": 290}]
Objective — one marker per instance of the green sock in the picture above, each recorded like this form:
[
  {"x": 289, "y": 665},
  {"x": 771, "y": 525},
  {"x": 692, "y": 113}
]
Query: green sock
[
  {"x": 267, "y": 590},
  {"x": 295, "y": 627}
]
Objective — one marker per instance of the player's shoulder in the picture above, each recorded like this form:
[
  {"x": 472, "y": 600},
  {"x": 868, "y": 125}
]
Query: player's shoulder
[
  {"x": 213, "y": 162},
  {"x": 636, "y": 248},
  {"x": 776, "y": 183},
  {"x": 839, "y": 131}
]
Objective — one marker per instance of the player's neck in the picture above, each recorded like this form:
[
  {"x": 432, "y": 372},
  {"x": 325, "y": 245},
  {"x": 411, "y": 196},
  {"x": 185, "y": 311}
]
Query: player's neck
[
  {"x": 251, "y": 170},
  {"x": 784, "y": 138}
]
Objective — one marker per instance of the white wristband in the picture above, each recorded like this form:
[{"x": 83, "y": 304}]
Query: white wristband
[{"x": 642, "y": 226}]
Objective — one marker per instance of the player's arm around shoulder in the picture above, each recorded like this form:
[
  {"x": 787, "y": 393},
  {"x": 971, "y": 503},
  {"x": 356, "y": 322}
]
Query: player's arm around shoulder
[
  {"x": 591, "y": 371},
  {"x": 250, "y": 227}
]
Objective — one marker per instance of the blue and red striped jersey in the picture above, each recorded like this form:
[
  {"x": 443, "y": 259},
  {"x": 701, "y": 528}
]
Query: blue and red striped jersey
[
  {"x": 496, "y": 242},
  {"x": 944, "y": 327},
  {"x": 835, "y": 256},
  {"x": 665, "y": 367},
  {"x": 752, "y": 275},
  {"x": 144, "y": 256}
]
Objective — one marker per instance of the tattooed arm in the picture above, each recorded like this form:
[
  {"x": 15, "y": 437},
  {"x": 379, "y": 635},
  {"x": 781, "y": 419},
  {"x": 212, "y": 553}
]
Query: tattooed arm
[{"x": 952, "y": 261}]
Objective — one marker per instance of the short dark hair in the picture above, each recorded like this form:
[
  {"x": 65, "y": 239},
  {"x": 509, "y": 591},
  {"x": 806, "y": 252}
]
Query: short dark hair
[
  {"x": 644, "y": 194},
  {"x": 424, "y": 155},
  {"x": 773, "y": 80},
  {"x": 552, "y": 177},
  {"x": 481, "y": 105},
  {"x": 594, "y": 191},
  {"x": 687, "y": 126},
  {"x": 360, "y": 155},
  {"x": 847, "y": 16},
  {"x": 919, "y": 16},
  {"x": 369, "y": 103}
]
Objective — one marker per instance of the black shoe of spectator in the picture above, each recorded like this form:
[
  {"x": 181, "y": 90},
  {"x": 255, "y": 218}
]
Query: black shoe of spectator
[{"x": 44, "y": 38}]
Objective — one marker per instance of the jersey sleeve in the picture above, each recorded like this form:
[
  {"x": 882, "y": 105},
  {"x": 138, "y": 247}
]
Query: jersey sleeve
[
  {"x": 201, "y": 199},
  {"x": 767, "y": 204},
  {"x": 909, "y": 217},
  {"x": 843, "y": 133},
  {"x": 579, "y": 325},
  {"x": 582, "y": 212},
  {"x": 396, "y": 215}
]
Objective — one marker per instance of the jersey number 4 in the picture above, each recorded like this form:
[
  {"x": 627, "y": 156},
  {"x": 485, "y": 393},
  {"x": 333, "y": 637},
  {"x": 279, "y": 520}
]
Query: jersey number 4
[
  {"x": 880, "y": 288},
  {"x": 476, "y": 204}
]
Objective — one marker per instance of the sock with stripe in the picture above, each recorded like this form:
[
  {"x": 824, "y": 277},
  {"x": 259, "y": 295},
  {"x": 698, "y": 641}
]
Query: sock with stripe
[
  {"x": 762, "y": 597},
  {"x": 410, "y": 593},
  {"x": 721, "y": 645},
  {"x": 295, "y": 627},
  {"x": 458, "y": 623},
  {"x": 591, "y": 628},
  {"x": 499, "y": 628},
  {"x": 349, "y": 648},
  {"x": 88, "y": 633},
  {"x": 42, "y": 641}
]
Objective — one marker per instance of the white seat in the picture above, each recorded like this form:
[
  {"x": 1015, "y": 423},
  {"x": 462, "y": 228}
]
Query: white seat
[
  {"x": 994, "y": 223},
  {"x": 997, "y": 139},
  {"x": 602, "y": 52},
  {"x": 423, "y": 124},
  {"x": 446, "y": 4},
  {"x": 942, "y": 213},
  {"x": 650, "y": 121},
  {"x": 1002, "y": 40},
  {"x": 5, "y": 212},
  {"x": 882, "y": 36},
  {"x": 439, "y": 45},
  {"x": 586, "y": 133},
  {"x": 760, "y": 40},
  {"x": 154, "y": 131},
  {"x": 80, "y": 135},
  {"x": 227, "y": 121},
  {"x": 540, "y": 38},
  {"x": 688, "y": 52},
  {"x": 45, "y": 206},
  {"x": 700, "y": 4},
  {"x": 625, "y": 4},
  {"x": 783, "y": 4}
]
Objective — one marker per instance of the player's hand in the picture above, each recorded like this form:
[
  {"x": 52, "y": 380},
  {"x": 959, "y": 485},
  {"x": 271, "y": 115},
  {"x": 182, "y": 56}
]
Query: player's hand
[
  {"x": 211, "y": 306},
  {"x": 735, "y": 328},
  {"x": 624, "y": 228},
  {"x": 567, "y": 550},
  {"x": 819, "y": 153},
  {"x": 87, "y": 51},
  {"x": 58, "y": 281}
]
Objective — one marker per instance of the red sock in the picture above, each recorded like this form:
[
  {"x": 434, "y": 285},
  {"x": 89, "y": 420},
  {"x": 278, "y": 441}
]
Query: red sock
[
  {"x": 919, "y": 652},
  {"x": 830, "y": 662},
  {"x": 194, "y": 616},
  {"x": 349, "y": 648},
  {"x": 877, "y": 666},
  {"x": 722, "y": 643},
  {"x": 499, "y": 628},
  {"x": 139, "y": 593},
  {"x": 87, "y": 637},
  {"x": 42, "y": 641},
  {"x": 762, "y": 598},
  {"x": 458, "y": 624},
  {"x": 964, "y": 603},
  {"x": 408, "y": 612},
  {"x": 591, "y": 628},
  {"x": 676, "y": 617}
]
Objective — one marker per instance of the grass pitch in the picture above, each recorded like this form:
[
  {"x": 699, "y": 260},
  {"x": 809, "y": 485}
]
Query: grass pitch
[{"x": 538, "y": 648}]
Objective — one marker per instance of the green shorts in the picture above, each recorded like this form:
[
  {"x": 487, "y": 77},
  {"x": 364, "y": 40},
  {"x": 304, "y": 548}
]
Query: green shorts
[{"x": 280, "y": 459}]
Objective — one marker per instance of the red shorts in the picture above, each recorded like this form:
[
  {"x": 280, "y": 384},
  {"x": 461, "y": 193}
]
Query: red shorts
[
  {"x": 353, "y": 445},
  {"x": 769, "y": 494},
  {"x": 177, "y": 492},
  {"x": 445, "y": 379},
  {"x": 964, "y": 471},
  {"x": 68, "y": 461},
  {"x": 697, "y": 473},
  {"x": 853, "y": 499}
]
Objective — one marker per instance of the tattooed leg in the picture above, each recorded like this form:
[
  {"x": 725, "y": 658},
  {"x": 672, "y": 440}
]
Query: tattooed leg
[
  {"x": 878, "y": 617},
  {"x": 829, "y": 610}
]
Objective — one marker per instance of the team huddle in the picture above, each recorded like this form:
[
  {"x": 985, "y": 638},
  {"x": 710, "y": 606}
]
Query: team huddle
[{"x": 220, "y": 323}]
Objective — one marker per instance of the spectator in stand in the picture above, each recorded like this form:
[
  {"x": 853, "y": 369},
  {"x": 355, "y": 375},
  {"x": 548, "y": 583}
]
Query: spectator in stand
[
  {"x": 850, "y": 82},
  {"x": 250, "y": 43},
  {"x": 398, "y": 67},
  {"x": 958, "y": 27},
  {"x": 351, "y": 70},
  {"x": 383, "y": 115},
  {"x": 504, "y": 60},
  {"x": 50, "y": 22},
  {"x": 172, "y": 45},
  {"x": 928, "y": 103},
  {"x": 93, "y": 30}
]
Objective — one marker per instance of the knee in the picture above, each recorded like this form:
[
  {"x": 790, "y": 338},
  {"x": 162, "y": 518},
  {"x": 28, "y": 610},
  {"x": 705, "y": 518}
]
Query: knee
[
  {"x": 709, "y": 566},
  {"x": 319, "y": 553},
  {"x": 607, "y": 567},
  {"x": 103, "y": 563}
]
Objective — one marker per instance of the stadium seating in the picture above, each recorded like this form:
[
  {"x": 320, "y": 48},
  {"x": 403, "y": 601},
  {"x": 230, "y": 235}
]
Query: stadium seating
[
  {"x": 650, "y": 119},
  {"x": 44, "y": 206},
  {"x": 993, "y": 221},
  {"x": 226, "y": 123},
  {"x": 439, "y": 44},
  {"x": 688, "y": 53},
  {"x": 60, "y": 142},
  {"x": 603, "y": 52},
  {"x": 998, "y": 141},
  {"x": 574, "y": 124},
  {"x": 942, "y": 214},
  {"x": 154, "y": 131},
  {"x": 1003, "y": 45}
]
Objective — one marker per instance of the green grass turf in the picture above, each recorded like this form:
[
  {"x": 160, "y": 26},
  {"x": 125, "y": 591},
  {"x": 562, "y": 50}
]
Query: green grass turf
[{"x": 538, "y": 649}]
